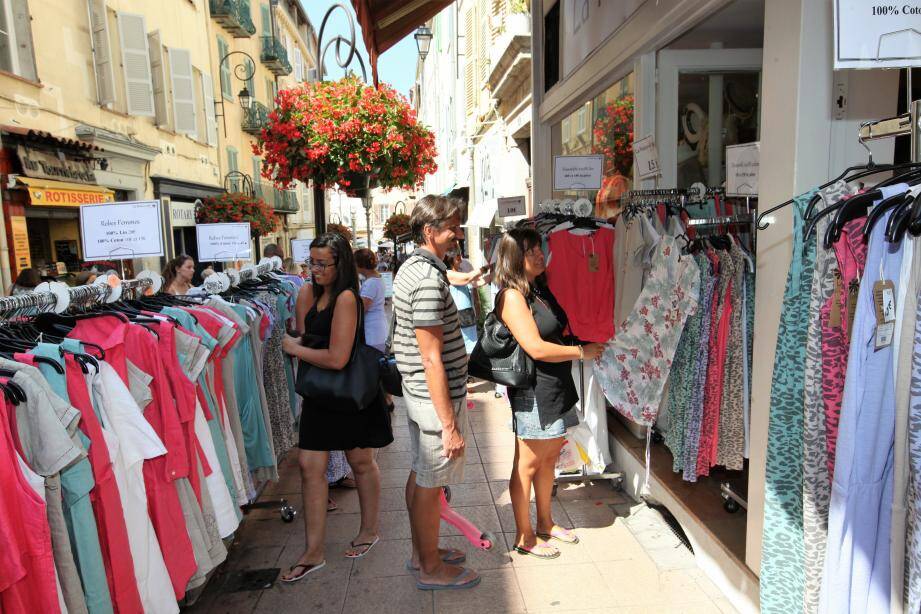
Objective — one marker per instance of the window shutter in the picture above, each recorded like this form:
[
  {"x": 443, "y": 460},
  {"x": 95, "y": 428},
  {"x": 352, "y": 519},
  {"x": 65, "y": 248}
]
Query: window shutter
[
  {"x": 102, "y": 52},
  {"x": 136, "y": 63},
  {"x": 158, "y": 70},
  {"x": 470, "y": 88},
  {"x": 251, "y": 82},
  {"x": 225, "y": 69},
  {"x": 483, "y": 44},
  {"x": 183, "y": 91},
  {"x": 266, "y": 19},
  {"x": 207, "y": 88},
  {"x": 270, "y": 92},
  {"x": 257, "y": 176}
]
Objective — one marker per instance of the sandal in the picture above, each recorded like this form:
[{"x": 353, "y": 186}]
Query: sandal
[
  {"x": 567, "y": 536},
  {"x": 534, "y": 551},
  {"x": 367, "y": 548},
  {"x": 465, "y": 579},
  {"x": 331, "y": 506},
  {"x": 308, "y": 569},
  {"x": 452, "y": 556}
]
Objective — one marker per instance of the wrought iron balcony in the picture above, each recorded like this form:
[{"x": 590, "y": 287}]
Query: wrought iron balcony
[
  {"x": 234, "y": 16},
  {"x": 275, "y": 57},
  {"x": 255, "y": 118}
]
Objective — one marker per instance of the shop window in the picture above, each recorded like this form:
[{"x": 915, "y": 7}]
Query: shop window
[
  {"x": 16, "y": 53},
  {"x": 720, "y": 105},
  {"x": 602, "y": 125}
]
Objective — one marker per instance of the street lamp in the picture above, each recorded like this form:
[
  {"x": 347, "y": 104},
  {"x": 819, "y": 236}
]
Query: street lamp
[
  {"x": 366, "y": 203},
  {"x": 423, "y": 38},
  {"x": 244, "y": 72}
]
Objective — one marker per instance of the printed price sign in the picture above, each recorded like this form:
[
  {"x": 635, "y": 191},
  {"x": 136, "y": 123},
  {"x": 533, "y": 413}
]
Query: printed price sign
[
  {"x": 121, "y": 231},
  {"x": 742, "y": 163},
  {"x": 577, "y": 172},
  {"x": 877, "y": 35},
  {"x": 512, "y": 206},
  {"x": 223, "y": 242},
  {"x": 300, "y": 250},
  {"x": 646, "y": 157}
]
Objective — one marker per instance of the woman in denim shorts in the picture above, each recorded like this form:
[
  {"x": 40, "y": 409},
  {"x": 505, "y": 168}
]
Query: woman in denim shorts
[{"x": 544, "y": 410}]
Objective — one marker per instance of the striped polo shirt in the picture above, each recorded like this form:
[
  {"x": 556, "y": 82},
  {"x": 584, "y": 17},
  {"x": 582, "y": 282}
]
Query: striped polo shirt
[{"x": 422, "y": 298}]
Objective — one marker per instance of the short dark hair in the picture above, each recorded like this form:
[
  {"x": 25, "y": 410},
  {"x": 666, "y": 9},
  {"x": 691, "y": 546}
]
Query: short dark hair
[
  {"x": 28, "y": 278},
  {"x": 432, "y": 210},
  {"x": 365, "y": 258},
  {"x": 272, "y": 249},
  {"x": 346, "y": 273}
]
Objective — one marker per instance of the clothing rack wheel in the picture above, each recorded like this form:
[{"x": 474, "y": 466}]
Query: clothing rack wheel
[
  {"x": 733, "y": 501},
  {"x": 288, "y": 513}
]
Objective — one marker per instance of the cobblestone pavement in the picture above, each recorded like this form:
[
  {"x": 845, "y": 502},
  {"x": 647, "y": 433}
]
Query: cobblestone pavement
[{"x": 628, "y": 560}]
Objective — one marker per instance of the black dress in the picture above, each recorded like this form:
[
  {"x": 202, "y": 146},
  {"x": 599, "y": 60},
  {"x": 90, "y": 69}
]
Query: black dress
[{"x": 323, "y": 425}]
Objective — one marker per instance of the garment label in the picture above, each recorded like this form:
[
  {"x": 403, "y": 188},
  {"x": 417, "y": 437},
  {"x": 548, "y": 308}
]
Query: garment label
[
  {"x": 884, "y": 301},
  {"x": 884, "y": 334},
  {"x": 834, "y": 316},
  {"x": 853, "y": 292},
  {"x": 593, "y": 263}
]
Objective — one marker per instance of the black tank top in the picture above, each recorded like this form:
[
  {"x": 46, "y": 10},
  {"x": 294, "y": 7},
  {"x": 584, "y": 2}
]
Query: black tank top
[{"x": 553, "y": 388}]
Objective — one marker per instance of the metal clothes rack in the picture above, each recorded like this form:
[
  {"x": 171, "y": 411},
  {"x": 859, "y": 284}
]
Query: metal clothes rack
[{"x": 57, "y": 296}]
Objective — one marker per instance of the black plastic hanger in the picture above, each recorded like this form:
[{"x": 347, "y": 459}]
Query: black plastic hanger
[{"x": 879, "y": 210}]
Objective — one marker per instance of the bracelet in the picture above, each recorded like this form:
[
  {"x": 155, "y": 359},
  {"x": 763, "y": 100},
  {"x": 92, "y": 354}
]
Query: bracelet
[{"x": 581, "y": 353}]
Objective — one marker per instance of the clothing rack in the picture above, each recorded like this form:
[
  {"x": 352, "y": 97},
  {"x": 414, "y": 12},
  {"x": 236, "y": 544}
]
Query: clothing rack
[
  {"x": 56, "y": 296},
  {"x": 746, "y": 218}
]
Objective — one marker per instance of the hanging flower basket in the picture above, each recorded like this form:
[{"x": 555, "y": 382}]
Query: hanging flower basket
[
  {"x": 613, "y": 136},
  {"x": 339, "y": 229},
  {"x": 238, "y": 207},
  {"x": 326, "y": 132},
  {"x": 396, "y": 226}
]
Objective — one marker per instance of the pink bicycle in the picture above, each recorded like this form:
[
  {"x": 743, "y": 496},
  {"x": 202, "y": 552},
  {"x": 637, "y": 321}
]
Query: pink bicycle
[{"x": 482, "y": 540}]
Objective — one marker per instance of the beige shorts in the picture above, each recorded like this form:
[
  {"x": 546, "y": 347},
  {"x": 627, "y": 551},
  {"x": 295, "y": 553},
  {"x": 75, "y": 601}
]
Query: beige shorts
[{"x": 432, "y": 469}]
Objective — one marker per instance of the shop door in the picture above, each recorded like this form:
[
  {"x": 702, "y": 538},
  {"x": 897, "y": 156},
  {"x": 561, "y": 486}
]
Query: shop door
[{"x": 706, "y": 100}]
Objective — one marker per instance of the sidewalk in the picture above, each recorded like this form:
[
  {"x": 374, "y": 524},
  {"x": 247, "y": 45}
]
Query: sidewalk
[{"x": 628, "y": 559}]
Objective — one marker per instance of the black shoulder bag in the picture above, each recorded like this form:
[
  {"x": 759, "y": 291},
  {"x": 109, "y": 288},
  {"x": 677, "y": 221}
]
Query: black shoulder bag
[
  {"x": 391, "y": 378},
  {"x": 498, "y": 357},
  {"x": 356, "y": 385}
]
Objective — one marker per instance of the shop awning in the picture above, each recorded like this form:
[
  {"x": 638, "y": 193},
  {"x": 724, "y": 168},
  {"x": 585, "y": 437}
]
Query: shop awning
[
  {"x": 49, "y": 193},
  {"x": 384, "y": 23},
  {"x": 483, "y": 214}
]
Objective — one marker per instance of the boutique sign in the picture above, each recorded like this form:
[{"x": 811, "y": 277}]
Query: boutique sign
[{"x": 43, "y": 165}]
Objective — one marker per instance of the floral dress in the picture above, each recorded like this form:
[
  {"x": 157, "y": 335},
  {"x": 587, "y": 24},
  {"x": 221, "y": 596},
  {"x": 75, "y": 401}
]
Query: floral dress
[{"x": 635, "y": 364}]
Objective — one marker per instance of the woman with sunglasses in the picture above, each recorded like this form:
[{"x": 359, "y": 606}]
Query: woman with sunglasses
[{"x": 330, "y": 310}]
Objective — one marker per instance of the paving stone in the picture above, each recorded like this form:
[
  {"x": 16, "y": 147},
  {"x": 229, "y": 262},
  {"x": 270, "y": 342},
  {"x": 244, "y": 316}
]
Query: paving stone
[
  {"x": 541, "y": 587},
  {"x": 397, "y": 595},
  {"x": 497, "y": 593}
]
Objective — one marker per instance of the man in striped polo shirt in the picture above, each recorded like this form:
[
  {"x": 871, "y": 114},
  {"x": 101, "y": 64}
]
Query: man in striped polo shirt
[{"x": 430, "y": 355}]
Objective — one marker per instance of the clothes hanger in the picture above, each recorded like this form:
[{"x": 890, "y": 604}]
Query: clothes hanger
[
  {"x": 13, "y": 391},
  {"x": 41, "y": 359},
  {"x": 878, "y": 211}
]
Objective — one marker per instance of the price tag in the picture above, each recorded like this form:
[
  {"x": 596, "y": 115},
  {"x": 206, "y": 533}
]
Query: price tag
[
  {"x": 646, "y": 157},
  {"x": 884, "y": 301},
  {"x": 884, "y": 333},
  {"x": 834, "y": 317},
  {"x": 593, "y": 263}
]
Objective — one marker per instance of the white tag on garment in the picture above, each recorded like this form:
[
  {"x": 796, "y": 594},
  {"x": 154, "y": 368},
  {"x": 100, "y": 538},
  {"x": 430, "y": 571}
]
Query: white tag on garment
[{"x": 884, "y": 334}]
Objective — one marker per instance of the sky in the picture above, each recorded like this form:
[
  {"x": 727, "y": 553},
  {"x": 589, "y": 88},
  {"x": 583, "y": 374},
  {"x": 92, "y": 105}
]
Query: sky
[{"x": 397, "y": 66}]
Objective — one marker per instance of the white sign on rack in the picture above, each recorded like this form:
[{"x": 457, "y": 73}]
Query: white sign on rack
[
  {"x": 742, "y": 163},
  {"x": 387, "y": 277},
  {"x": 511, "y": 206},
  {"x": 877, "y": 35},
  {"x": 646, "y": 157},
  {"x": 577, "y": 172},
  {"x": 121, "y": 231},
  {"x": 300, "y": 250},
  {"x": 223, "y": 242}
]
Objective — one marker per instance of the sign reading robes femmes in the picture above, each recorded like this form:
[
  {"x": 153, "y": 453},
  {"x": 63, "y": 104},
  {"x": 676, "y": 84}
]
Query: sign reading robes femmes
[
  {"x": 300, "y": 250},
  {"x": 223, "y": 242},
  {"x": 577, "y": 172},
  {"x": 742, "y": 163},
  {"x": 120, "y": 231},
  {"x": 877, "y": 35}
]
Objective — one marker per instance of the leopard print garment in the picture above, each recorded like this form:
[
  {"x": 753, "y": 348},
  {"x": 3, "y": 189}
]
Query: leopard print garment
[
  {"x": 731, "y": 443},
  {"x": 913, "y": 537},
  {"x": 684, "y": 367},
  {"x": 696, "y": 408},
  {"x": 781, "y": 580},
  {"x": 816, "y": 485}
]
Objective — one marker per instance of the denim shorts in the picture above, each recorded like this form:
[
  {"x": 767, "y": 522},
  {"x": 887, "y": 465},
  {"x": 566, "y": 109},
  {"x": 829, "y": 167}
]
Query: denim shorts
[{"x": 526, "y": 423}]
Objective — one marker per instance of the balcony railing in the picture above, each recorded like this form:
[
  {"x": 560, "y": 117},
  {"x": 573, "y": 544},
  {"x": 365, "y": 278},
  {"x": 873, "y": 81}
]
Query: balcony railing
[
  {"x": 234, "y": 16},
  {"x": 255, "y": 118},
  {"x": 282, "y": 201},
  {"x": 275, "y": 57}
]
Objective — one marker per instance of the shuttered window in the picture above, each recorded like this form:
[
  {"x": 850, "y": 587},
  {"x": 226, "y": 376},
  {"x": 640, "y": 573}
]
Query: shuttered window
[
  {"x": 470, "y": 89},
  {"x": 271, "y": 90},
  {"x": 222, "y": 51},
  {"x": 251, "y": 82},
  {"x": 207, "y": 89},
  {"x": 257, "y": 176},
  {"x": 183, "y": 90},
  {"x": 483, "y": 43},
  {"x": 136, "y": 64},
  {"x": 266, "y": 19},
  {"x": 158, "y": 70},
  {"x": 231, "y": 167},
  {"x": 102, "y": 52}
]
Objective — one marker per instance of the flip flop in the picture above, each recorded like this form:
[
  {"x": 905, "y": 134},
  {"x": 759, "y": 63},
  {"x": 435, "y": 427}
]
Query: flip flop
[
  {"x": 331, "y": 506},
  {"x": 455, "y": 585},
  {"x": 533, "y": 551},
  {"x": 452, "y": 557},
  {"x": 308, "y": 569},
  {"x": 365, "y": 551},
  {"x": 567, "y": 536}
]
